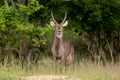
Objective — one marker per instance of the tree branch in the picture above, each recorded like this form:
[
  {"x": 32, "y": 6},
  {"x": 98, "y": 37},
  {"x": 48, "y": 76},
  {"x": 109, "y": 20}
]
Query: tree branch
[{"x": 13, "y": 3}]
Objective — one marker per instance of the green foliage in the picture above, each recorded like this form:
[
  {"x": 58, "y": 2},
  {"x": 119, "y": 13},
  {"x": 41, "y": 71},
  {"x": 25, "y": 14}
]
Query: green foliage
[
  {"x": 32, "y": 7},
  {"x": 91, "y": 22},
  {"x": 15, "y": 27}
]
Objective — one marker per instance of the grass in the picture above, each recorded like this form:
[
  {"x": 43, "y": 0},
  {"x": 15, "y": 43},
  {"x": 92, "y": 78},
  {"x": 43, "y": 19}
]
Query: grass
[
  {"x": 84, "y": 70},
  {"x": 93, "y": 72}
]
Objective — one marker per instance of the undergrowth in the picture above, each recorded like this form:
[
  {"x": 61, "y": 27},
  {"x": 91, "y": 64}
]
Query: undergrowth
[{"x": 83, "y": 69}]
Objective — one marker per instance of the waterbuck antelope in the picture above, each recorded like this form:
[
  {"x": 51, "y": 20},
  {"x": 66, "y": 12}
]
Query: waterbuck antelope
[{"x": 62, "y": 50}]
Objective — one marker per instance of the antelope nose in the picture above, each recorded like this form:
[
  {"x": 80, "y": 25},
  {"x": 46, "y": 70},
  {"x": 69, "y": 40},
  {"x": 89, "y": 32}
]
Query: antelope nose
[{"x": 59, "y": 31}]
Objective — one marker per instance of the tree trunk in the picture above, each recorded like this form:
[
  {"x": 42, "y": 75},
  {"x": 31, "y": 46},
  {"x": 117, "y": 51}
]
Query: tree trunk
[
  {"x": 101, "y": 52},
  {"x": 111, "y": 47},
  {"x": 13, "y": 3},
  {"x": 23, "y": 51},
  {"x": 117, "y": 48},
  {"x": 6, "y": 3},
  {"x": 93, "y": 47},
  {"x": 22, "y": 2}
]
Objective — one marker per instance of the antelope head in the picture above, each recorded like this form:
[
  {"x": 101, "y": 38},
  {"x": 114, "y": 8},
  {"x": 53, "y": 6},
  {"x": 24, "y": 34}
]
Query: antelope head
[{"x": 58, "y": 26}]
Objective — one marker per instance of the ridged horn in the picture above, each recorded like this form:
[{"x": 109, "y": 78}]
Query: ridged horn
[
  {"x": 64, "y": 18},
  {"x": 53, "y": 18}
]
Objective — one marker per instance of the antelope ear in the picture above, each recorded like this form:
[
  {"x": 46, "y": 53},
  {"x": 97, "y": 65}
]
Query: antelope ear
[
  {"x": 52, "y": 23},
  {"x": 65, "y": 24}
]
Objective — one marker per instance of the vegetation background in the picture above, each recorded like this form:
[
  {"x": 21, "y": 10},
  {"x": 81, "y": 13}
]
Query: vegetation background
[{"x": 26, "y": 36}]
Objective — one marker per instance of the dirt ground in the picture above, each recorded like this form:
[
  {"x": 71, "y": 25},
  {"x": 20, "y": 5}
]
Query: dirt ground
[{"x": 50, "y": 77}]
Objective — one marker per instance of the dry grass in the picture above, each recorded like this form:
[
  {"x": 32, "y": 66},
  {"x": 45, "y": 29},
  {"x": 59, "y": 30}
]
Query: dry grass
[{"x": 83, "y": 70}]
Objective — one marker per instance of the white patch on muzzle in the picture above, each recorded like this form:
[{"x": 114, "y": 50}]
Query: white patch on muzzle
[{"x": 59, "y": 35}]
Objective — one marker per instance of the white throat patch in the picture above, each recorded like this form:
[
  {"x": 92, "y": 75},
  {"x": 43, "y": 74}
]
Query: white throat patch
[{"x": 59, "y": 36}]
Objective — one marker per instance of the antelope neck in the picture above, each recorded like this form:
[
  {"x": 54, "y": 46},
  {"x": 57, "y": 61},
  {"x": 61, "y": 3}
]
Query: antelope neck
[{"x": 57, "y": 40}]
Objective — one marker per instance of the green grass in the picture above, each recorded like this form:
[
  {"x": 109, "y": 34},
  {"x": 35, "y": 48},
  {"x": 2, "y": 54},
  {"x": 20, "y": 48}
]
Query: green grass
[{"x": 84, "y": 70}]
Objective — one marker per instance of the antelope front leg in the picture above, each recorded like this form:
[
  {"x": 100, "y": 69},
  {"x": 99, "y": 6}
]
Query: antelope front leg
[
  {"x": 63, "y": 65},
  {"x": 55, "y": 65}
]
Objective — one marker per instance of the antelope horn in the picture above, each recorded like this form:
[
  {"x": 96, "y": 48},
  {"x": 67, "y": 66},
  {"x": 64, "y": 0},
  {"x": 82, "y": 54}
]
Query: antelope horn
[
  {"x": 64, "y": 18},
  {"x": 53, "y": 18}
]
